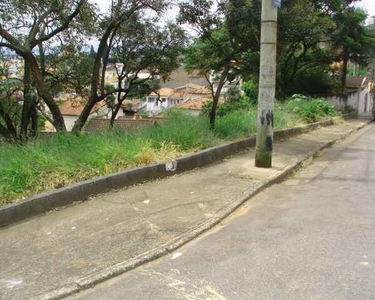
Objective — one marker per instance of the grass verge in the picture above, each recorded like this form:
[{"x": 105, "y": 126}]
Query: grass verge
[{"x": 65, "y": 159}]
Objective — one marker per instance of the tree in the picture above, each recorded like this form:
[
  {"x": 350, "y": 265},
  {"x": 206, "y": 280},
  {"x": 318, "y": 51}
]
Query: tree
[
  {"x": 142, "y": 45},
  {"x": 68, "y": 70},
  {"x": 25, "y": 26},
  {"x": 10, "y": 111},
  {"x": 11, "y": 101},
  {"x": 227, "y": 32},
  {"x": 351, "y": 39},
  {"x": 303, "y": 28},
  {"x": 28, "y": 27},
  {"x": 120, "y": 13}
]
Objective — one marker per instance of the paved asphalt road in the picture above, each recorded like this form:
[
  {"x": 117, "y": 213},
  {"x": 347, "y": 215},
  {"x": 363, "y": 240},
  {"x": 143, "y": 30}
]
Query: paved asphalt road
[{"x": 311, "y": 237}]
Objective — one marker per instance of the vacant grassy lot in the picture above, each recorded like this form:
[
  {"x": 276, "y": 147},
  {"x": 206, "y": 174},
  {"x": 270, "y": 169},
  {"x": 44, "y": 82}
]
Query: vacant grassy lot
[{"x": 64, "y": 159}]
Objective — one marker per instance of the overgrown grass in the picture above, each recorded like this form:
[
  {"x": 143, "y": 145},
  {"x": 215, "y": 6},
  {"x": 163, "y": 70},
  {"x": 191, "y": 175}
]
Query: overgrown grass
[{"x": 64, "y": 159}]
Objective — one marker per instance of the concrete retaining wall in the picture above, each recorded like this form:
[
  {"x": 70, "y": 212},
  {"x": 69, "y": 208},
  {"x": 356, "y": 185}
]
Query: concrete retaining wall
[{"x": 45, "y": 202}]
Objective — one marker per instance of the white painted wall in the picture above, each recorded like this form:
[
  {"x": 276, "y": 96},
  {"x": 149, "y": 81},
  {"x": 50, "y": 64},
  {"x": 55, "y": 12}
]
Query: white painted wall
[
  {"x": 103, "y": 113},
  {"x": 69, "y": 121},
  {"x": 361, "y": 101},
  {"x": 154, "y": 107},
  {"x": 355, "y": 99}
]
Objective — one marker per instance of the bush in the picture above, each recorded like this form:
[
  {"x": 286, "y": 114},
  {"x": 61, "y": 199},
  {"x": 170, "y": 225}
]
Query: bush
[
  {"x": 251, "y": 90},
  {"x": 311, "y": 110},
  {"x": 234, "y": 101},
  {"x": 348, "y": 109}
]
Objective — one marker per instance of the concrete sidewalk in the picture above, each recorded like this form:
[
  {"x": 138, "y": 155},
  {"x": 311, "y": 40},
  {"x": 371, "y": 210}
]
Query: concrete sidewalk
[{"x": 63, "y": 251}]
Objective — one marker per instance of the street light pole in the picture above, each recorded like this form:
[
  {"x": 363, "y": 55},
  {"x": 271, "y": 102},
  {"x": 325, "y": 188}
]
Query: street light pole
[{"x": 267, "y": 84}]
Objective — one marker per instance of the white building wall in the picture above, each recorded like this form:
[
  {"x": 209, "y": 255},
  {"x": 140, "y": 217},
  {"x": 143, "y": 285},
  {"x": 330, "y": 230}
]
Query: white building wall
[
  {"x": 355, "y": 99},
  {"x": 154, "y": 107},
  {"x": 69, "y": 122},
  {"x": 339, "y": 102},
  {"x": 361, "y": 101}
]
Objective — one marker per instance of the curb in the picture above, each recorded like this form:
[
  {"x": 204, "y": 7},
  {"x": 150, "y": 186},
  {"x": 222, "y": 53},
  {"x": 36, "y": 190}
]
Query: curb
[
  {"x": 45, "y": 202},
  {"x": 171, "y": 246}
]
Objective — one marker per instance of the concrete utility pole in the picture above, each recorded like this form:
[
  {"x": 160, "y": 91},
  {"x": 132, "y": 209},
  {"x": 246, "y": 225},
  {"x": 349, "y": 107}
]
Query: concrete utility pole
[{"x": 267, "y": 83}]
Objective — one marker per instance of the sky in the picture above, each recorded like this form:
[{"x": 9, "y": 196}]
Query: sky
[
  {"x": 368, "y": 5},
  {"x": 105, "y": 4}
]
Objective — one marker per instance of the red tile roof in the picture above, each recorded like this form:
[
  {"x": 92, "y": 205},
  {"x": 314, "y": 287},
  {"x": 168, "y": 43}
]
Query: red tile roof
[
  {"x": 196, "y": 104},
  {"x": 73, "y": 106}
]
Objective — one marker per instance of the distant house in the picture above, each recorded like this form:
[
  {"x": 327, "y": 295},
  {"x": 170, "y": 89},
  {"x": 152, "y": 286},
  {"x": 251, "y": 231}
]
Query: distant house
[
  {"x": 71, "y": 108},
  {"x": 358, "y": 95},
  {"x": 193, "y": 91},
  {"x": 162, "y": 99},
  {"x": 111, "y": 74},
  {"x": 234, "y": 83},
  {"x": 166, "y": 97},
  {"x": 112, "y": 71},
  {"x": 180, "y": 76},
  {"x": 194, "y": 106}
]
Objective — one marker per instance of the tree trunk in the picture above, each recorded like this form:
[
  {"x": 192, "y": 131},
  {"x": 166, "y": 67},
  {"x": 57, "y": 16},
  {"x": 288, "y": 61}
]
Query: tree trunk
[
  {"x": 58, "y": 120},
  {"x": 267, "y": 83},
  {"x": 34, "y": 120},
  {"x": 213, "y": 111},
  {"x": 10, "y": 129},
  {"x": 344, "y": 70},
  {"x": 108, "y": 35},
  {"x": 95, "y": 80},
  {"x": 6, "y": 133},
  {"x": 82, "y": 119},
  {"x": 216, "y": 95},
  {"x": 114, "y": 114},
  {"x": 119, "y": 102},
  {"x": 27, "y": 103},
  {"x": 42, "y": 60},
  {"x": 213, "y": 116}
]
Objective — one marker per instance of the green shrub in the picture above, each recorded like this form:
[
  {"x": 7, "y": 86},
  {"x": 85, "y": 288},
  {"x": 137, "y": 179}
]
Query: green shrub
[
  {"x": 251, "y": 90},
  {"x": 311, "y": 110},
  {"x": 348, "y": 109},
  {"x": 234, "y": 101}
]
